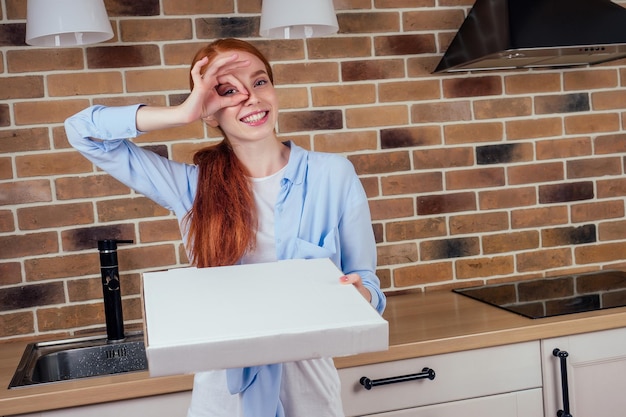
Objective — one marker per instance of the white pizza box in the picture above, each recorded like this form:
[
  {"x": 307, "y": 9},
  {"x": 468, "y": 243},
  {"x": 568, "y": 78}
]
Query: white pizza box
[{"x": 200, "y": 319}]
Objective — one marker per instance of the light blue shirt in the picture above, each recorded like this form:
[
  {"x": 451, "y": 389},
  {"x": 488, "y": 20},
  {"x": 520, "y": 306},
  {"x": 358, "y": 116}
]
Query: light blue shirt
[{"x": 321, "y": 212}]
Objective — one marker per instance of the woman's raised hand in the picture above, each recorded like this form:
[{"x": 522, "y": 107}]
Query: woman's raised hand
[{"x": 205, "y": 99}]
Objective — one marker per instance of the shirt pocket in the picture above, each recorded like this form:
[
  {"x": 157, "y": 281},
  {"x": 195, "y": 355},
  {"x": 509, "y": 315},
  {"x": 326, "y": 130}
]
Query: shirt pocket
[{"x": 308, "y": 250}]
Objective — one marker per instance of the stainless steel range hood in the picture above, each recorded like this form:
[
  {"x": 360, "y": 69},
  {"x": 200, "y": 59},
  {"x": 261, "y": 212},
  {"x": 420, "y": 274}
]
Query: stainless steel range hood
[{"x": 504, "y": 34}]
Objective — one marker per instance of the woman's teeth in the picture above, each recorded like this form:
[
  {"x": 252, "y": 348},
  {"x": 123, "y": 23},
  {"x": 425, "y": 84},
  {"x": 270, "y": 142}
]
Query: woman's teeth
[{"x": 254, "y": 117}]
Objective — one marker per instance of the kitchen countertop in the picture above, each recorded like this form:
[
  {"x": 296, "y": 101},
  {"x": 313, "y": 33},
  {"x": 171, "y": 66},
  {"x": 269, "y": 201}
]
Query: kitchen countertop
[{"x": 420, "y": 324}]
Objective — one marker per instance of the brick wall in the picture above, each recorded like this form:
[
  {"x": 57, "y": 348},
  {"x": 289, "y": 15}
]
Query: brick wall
[{"x": 471, "y": 177}]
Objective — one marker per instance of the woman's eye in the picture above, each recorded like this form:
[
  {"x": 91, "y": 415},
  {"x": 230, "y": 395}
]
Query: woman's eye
[
  {"x": 260, "y": 82},
  {"x": 226, "y": 91}
]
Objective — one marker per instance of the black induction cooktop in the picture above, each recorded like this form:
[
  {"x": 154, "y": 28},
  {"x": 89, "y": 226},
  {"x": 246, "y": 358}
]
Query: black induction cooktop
[{"x": 555, "y": 296}]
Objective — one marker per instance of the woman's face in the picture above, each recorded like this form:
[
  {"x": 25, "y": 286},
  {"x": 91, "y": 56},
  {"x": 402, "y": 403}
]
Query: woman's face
[{"x": 255, "y": 117}]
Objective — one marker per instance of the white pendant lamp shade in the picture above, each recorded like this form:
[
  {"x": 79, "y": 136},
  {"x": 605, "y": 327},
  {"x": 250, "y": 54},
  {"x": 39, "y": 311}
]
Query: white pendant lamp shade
[
  {"x": 66, "y": 22},
  {"x": 297, "y": 19}
]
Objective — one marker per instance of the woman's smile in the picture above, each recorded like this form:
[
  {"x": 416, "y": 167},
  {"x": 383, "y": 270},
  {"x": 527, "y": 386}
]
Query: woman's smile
[{"x": 255, "y": 119}]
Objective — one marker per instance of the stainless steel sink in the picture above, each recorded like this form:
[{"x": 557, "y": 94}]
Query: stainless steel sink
[{"x": 63, "y": 360}]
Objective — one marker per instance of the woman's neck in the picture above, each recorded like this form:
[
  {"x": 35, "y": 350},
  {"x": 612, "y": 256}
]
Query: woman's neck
[{"x": 263, "y": 158}]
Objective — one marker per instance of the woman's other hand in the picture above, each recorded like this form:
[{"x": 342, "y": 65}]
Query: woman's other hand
[{"x": 355, "y": 279}]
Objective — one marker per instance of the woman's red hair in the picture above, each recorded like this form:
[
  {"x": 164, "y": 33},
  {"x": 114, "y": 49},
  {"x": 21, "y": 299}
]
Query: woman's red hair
[{"x": 222, "y": 221}]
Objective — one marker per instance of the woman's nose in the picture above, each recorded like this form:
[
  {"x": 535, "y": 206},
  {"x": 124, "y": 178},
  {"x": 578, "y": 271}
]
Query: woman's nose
[{"x": 252, "y": 97}]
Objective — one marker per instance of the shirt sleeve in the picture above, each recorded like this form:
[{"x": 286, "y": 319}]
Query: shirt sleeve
[
  {"x": 101, "y": 135},
  {"x": 358, "y": 244}
]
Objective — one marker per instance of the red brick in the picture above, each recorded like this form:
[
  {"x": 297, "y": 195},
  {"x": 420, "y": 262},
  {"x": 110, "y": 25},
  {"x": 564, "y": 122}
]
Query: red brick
[
  {"x": 443, "y": 158},
  {"x": 426, "y": 20},
  {"x": 608, "y": 144},
  {"x": 603, "y": 253},
  {"x": 346, "y": 141},
  {"x": 315, "y": 72},
  {"x": 72, "y": 316},
  {"x": 403, "y": 253},
  {"x": 507, "y": 198},
  {"x": 38, "y": 269},
  {"x": 408, "y": 91},
  {"x": 535, "y": 173},
  {"x": 10, "y": 273},
  {"x": 21, "y": 140},
  {"x": 424, "y": 273},
  {"x": 31, "y": 244},
  {"x": 479, "y": 223},
  {"x": 368, "y": 22},
  {"x": 532, "y": 83},
  {"x": 543, "y": 260},
  {"x": 615, "y": 230},
  {"x": 510, "y": 242},
  {"x": 89, "y": 187},
  {"x": 472, "y": 86},
  {"x": 473, "y": 133},
  {"x": 484, "y": 267},
  {"x": 336, "y": 47},
  {"x": 159, "y": 231},
  {"x": 563, "y": 148},
  {"x": 537, "y": 128},
  {"x": 611, "y": 188},
  {"x": 590, "y": 79},
  {"x": 48, "y": 111},
  {"x": 41, "y": 217},
  {"x": 592, "y": 123},
  {"x": 20, "y": 323},
  {"x": 539, "y": 217},
  {"x": 412, "y": 183},
  {"x": 397, "y": 231},
  {"x": 35, "y": 165},
  {"x": 392, "y": 208},
  {"x": 130, "y": 208},
  {"x": 586, "y": 212},
  {"x": 596, "y": 167},
  {"x": 475, "y": 178},
  {"x": 21, "y": 87},
  {"x": 20, "y": 192},
  {"x": 46, "y": 59},
  {"x": 441, "y": 112},
  {"x": 379, "y": 163},
  {"x": 505, "y": 107}
]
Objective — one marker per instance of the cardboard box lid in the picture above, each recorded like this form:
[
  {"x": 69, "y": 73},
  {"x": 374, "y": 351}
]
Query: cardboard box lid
[{"x": 199, "y": 319}]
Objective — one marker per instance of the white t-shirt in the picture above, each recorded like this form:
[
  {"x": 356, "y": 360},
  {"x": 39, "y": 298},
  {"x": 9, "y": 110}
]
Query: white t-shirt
[{"x": 266, "y": 191}]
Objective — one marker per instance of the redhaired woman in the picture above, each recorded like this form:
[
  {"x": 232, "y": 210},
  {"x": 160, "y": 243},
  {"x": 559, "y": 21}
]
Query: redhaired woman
[{"x": 251, "y": 198}]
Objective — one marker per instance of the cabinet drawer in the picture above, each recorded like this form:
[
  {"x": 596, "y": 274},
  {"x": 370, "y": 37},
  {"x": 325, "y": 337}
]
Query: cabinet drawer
[
  {"x": 458, "y": 376},
  {"x": 526, "y": 403}
]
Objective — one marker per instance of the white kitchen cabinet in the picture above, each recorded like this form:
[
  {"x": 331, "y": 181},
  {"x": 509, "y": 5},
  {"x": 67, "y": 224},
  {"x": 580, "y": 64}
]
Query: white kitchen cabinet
[
  {"x": 167, "y": 405},
  {"x": 596, "y": 371},
  {"x": 495, "y": 381}
]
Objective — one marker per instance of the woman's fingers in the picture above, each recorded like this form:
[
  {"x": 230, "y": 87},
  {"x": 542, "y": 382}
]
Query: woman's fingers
[
  {"x": 355, "y": 279},
  {"x": 222, "y": 66}
]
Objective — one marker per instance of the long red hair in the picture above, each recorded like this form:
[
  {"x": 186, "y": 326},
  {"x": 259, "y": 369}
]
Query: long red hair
[{"x": 222, "y": 221}]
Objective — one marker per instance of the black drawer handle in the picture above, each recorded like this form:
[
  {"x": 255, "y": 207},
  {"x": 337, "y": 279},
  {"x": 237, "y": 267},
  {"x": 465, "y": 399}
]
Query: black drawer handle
[
  {"x": 562, "y": 355},
  {"x": 426, "y": 373}
]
